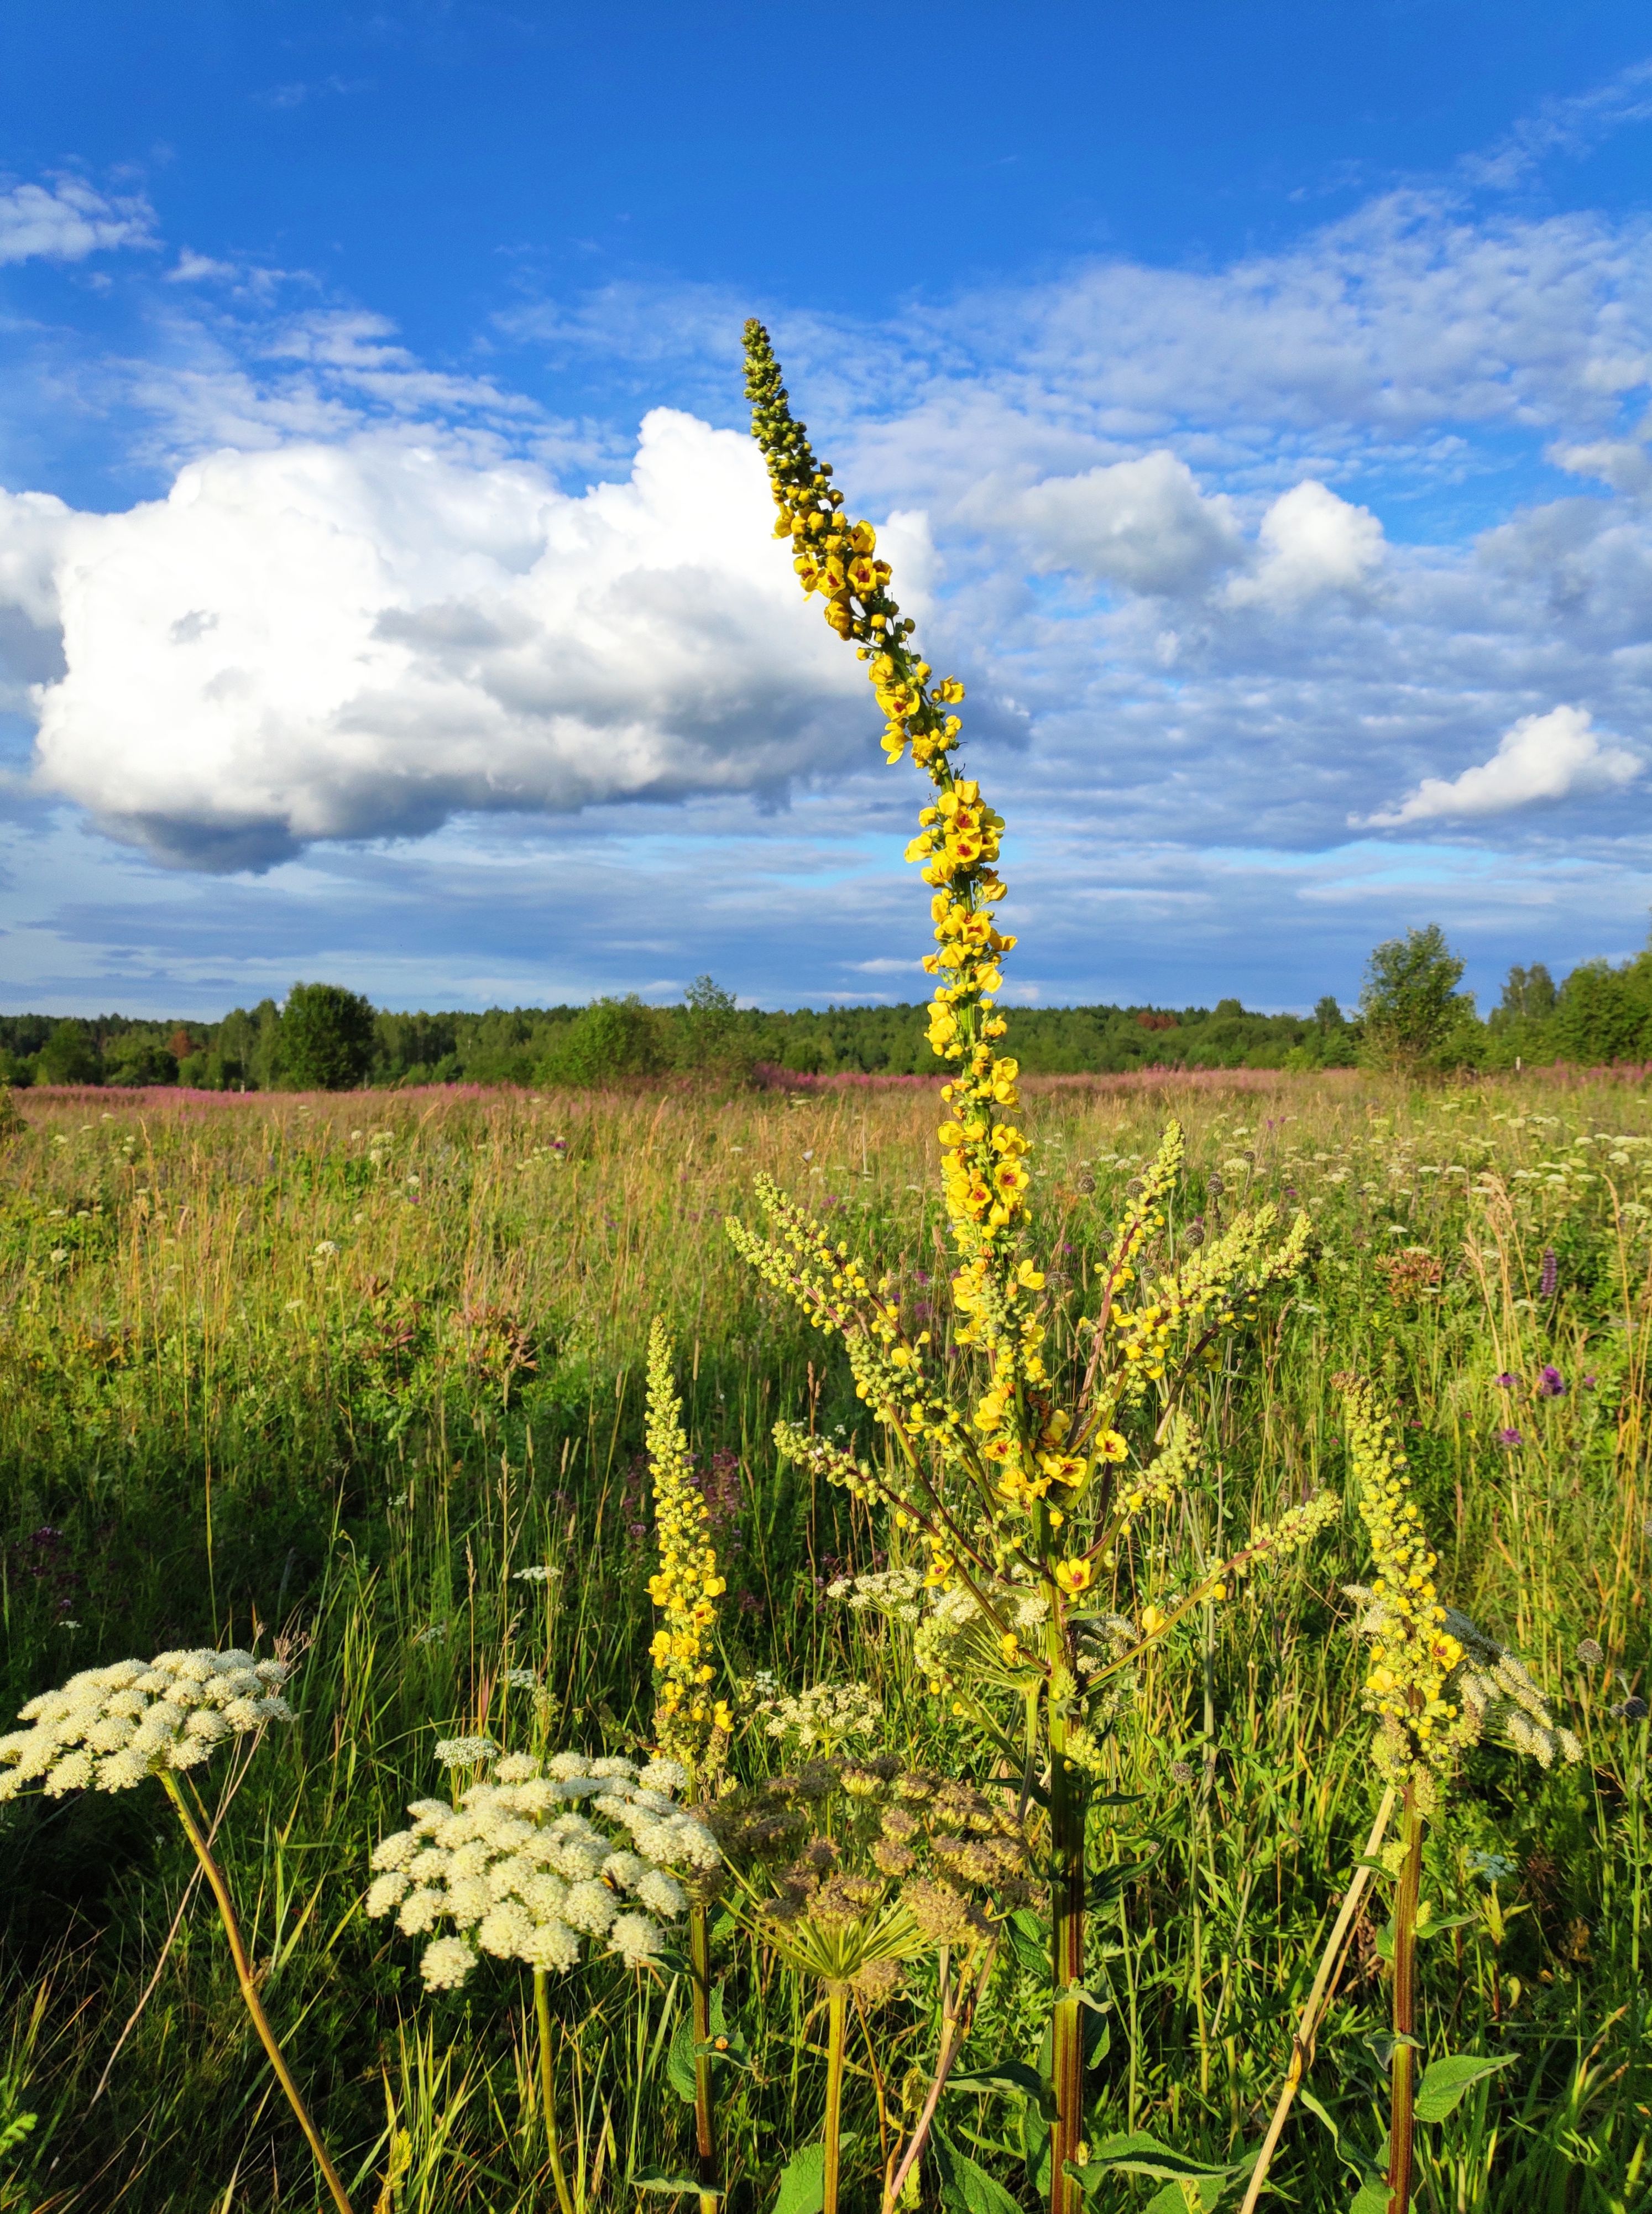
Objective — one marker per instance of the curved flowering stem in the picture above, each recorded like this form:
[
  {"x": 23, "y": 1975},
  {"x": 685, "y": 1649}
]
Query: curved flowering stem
[
  {"x": 1016, "y": 1501},
  {"x": 214, "y": 1877},
  {"x": 691, "y": 1724},
  {"x": 1436, "y": 1686}
]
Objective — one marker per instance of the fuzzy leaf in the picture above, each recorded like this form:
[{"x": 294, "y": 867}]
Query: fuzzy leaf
[
  {"x": 1006, "y": 2078},
  {"x": 1371, "y": 2198},
  {"x": 803, "y": 2180},
  {"x": 652, "y": 2179},
  {"x": 965, "y": 2184},
  {"x": 680, "y": 2061},
  {"x": 1445, "y": 2081}
]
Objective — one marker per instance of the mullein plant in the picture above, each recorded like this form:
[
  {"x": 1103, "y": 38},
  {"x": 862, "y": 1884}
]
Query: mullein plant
[
  {"x": 112, "y": 1728},
  {"x": 1024, "y": 1488},
  {"x": 1436, "y": 1686},
  {"x": 542, "y": 1863},
  {"x": 692, "y": 1724}
]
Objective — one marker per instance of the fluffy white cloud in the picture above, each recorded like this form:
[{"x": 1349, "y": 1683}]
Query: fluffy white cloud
[
  {"x": 1555, "y": 756},
  {"x": 358, "y": 640},
  {"x": 67, "y": 220},
  {"x": 1310, "y": 542},
  {"x": 1142, "y": 524}
]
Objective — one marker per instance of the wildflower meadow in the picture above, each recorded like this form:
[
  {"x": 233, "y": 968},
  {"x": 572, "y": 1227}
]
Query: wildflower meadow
[{"x": 993, "y": 1643}]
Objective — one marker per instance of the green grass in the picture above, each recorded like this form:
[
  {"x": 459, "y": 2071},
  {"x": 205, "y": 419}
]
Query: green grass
[{"x": 212, "y": 1426}]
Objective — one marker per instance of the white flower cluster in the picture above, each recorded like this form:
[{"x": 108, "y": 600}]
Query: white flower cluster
[
  {"x": 897, "y": 1592},
  {"x": 824, "y": 1717},
  {"x": 110, "y": 1727},
  {"x": 527, "y": 1865}
]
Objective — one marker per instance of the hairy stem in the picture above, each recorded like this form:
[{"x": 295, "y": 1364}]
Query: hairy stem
[
  {"x": 1067, "y": 1813},
  {"x": 547, "y": 2089},
  {"x": 1402, "y": 2077},
  {"x": 700, "y": 1959},
  {"x": 214, "y": 1875}
]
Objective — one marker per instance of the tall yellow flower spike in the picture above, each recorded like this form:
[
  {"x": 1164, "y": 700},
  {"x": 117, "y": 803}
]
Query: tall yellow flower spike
[
  {"x": 686, "y": 1586},
  {"x": 1022, "y": 1505}
]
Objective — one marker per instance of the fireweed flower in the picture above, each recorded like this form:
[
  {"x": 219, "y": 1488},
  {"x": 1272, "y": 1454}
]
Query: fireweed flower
[
  {"x": 541, "y": 1858},
  {"x": 690, "y": 1722},
  {"x": 108, "y": 1728}
]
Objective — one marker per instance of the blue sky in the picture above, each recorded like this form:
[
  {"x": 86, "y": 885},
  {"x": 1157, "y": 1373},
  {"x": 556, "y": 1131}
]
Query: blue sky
[{"x": 1254, "y": 399}]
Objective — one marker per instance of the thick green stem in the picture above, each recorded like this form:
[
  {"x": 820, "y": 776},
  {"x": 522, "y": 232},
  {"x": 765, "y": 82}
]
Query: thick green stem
[
  {"x": 547, "y": 2090},
  {"x": 1402, "y": 2067},
  {"x": 214, "y": 1875},
  {"x": 1067, "y": 1813},
  {"x": 700, "y": 1957},
  {"x": 837, "y": 2002}
]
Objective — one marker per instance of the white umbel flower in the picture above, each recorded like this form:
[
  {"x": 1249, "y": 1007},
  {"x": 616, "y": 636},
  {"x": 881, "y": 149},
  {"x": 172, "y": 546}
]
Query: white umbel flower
[
  {"x": 535, "y": 1862},
  {"x": 108, "y": 1728}
]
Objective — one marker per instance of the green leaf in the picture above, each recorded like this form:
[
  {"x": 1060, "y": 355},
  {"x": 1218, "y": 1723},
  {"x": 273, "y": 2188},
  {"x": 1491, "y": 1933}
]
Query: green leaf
[
  {"x": 1029, "y": 1942},
  {"x": 1445, "y": 2081},
  {"x": 1371, "y": 2198},
  {"x": 652, "y": 2179},
  {"x": 964, "y": 2184},
  {"x": 678, "y": 2062},
  {"x": 1136, "y": 2153},
  {"x": 1107, "y": 1886},
  {"x": 803, "y": 2182},
  {"x": 1006, "y": 2078},
  {"x": 1190, "y": 2198}
]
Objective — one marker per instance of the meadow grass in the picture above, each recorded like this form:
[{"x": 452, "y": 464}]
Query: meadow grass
[{"x": 332, "y": 1372}]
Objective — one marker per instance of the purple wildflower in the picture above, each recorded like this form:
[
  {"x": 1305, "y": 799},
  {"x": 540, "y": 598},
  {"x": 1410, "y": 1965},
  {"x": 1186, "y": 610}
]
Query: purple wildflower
[
  {"x": 1506, "y": 1382},
  {"x": 1550, "y": 1277},
  {"x": 1510, "y": 1438},
  {"x": 1551, "y": 1383},
  {"x": 1587, "y": 1382}
]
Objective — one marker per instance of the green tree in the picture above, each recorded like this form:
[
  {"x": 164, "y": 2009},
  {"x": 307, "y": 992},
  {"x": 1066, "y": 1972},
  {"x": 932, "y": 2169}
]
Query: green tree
[
  {"x": 1605, "y": 1014},
  {"x": 611, "y": 1041},
  {"x": 70, "y": 1055},
  {"x": 709, "y": 1038},
  {"x": 139, "y": 1058},
  {"x": 1529, "y": 996},
  {"x": 1415, "y": 1018},
  {"x": 327, "y": 1038}
]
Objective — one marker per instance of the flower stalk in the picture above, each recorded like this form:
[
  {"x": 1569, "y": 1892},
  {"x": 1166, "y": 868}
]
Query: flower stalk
[
  {"x": 547, "y": 2090},
  {"x": 1402, "y": 2061},
  {"x": 837, "y": 2015},
  {"x": 244, "y": 1977}
]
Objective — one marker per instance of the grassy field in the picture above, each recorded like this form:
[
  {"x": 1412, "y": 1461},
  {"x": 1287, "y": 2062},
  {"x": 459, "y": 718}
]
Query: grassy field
[{"x": 330, "y": 1371}]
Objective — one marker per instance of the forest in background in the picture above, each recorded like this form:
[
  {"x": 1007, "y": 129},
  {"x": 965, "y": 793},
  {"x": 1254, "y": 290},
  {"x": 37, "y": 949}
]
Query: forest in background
[{"x": 325, "y": 1038}]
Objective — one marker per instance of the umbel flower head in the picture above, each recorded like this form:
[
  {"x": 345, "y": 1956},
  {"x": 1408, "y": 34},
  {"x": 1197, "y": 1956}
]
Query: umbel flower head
[
  {"x": 870, "y": 1864},
  {"x": 540, "y": 1858},
  {"x": 108, "y": 1728}
]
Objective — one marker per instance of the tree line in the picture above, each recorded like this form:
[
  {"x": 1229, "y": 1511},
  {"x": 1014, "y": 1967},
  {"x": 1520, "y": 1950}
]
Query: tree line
[{"x": 1411, "y": 1014}]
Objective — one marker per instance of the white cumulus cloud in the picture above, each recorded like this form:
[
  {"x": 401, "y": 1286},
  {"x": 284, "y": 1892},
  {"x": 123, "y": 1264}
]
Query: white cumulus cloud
[
  {"x": 1559, "y": 756},
  {"x": 1143, "y": 525},
  {"x": 360, "y": 639},
  {"x": 67, "y": 220},
  {"x": 1310, "y": 543}
]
